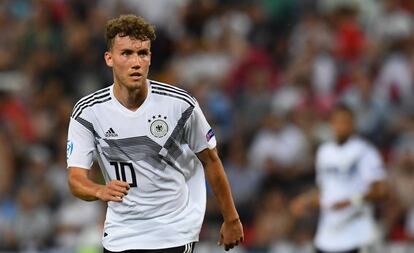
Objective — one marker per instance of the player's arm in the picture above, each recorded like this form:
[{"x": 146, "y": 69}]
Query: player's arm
[
  {"x": 84, "y": 188},
  {"x": 372, "y": 172},
  {"x": 232, "y": 229},
  {"x": 378, "y": 190},
  {"x": 79, "y": 158},
  {"x": 305, "y": 202}
]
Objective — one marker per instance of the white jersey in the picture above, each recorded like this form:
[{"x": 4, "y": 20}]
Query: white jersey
[
  {"x": 344, "y": 171},
  {"x": 152, "y": 148}
]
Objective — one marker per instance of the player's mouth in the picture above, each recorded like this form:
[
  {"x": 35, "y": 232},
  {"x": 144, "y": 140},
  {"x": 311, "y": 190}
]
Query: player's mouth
[{"x": 136, "y": 75}]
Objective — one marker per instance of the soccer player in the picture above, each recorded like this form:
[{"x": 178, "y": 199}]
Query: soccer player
[
  {"x": 350, "y": 176},
  {"x": 151, "y": 141}
]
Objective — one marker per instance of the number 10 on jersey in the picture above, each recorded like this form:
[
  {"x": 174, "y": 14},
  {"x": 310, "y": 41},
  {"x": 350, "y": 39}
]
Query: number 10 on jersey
[{"x": 121, "y": 174}]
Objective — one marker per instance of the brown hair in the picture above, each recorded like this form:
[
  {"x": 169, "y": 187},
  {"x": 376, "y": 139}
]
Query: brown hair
[
  {"x": 128, "y": 25},
  {"x": 342, "y": 107}
]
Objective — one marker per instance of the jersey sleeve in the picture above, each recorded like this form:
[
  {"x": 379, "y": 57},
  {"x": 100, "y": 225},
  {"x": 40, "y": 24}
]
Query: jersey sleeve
[
  {"x": 80, "y": 145},
  {"x": 372, "y": 167},
  {"x": 318, "y": 165},
  {"x": 199, "y": 133}
]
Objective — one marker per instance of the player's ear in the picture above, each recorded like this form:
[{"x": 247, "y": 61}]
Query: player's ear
[{"x": 108, "y": 59}]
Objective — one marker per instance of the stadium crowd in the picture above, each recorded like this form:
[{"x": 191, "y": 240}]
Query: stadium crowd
[{"x": 266, "y": 74}]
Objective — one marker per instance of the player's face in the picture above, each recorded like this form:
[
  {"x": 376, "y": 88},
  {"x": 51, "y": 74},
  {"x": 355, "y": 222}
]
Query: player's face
[
  {"x": 130, "y": 60},
  {"x": 342, "y": 124}
]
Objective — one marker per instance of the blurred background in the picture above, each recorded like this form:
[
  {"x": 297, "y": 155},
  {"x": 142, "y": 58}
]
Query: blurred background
[{"x": 266, "y": 73}]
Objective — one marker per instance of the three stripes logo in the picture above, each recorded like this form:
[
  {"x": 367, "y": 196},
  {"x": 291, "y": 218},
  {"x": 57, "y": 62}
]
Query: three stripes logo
[
  {"x": 172, "y": 91},
  {"x": 98, "y": 97},
  {"x": 111, "y": 133}
]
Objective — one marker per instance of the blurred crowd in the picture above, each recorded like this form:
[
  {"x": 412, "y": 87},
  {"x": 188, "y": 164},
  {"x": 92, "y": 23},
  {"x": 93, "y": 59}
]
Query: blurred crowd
[{"x": 266, "y": 74}]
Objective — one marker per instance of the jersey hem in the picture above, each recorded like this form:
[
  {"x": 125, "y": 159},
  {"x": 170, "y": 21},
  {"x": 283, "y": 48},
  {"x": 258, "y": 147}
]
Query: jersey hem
[
  {"x": 206, "y": 146},
  {"x": 82, "y": 166},
  {"x": 150, "y": 246},
  {"x": 322, "y": 246}
]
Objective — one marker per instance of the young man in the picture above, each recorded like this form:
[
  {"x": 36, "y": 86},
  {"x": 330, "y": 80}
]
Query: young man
[
  {"x": 350, "y": 175},
  {"x": 151, "y": 141}
]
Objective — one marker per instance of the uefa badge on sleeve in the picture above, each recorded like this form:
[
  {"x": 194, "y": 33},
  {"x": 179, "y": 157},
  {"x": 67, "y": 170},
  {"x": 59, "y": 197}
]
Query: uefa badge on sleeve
[
  {"x": 209, "y": 135},
  {"x": 69, "y": 149}
]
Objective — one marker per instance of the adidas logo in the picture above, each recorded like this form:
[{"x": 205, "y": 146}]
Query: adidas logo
[{"x": 111, "y": 133}]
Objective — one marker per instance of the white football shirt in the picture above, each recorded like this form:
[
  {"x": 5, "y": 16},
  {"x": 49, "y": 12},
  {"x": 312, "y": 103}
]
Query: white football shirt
[
  {"x": 344, "y": 171},
  {"x": 152, "y": 148}
]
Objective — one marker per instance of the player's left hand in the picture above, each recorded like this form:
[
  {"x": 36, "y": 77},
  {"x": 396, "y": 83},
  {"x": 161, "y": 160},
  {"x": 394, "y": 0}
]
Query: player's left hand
[
  {"x": 231, "y": 234},
  {"x": 341, "y": 204}
]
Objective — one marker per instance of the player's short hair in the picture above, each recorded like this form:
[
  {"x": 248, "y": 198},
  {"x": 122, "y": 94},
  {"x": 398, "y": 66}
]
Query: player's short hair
[
  {"x": 342, "y": 107},
  {"x": 128, "y": 25}
]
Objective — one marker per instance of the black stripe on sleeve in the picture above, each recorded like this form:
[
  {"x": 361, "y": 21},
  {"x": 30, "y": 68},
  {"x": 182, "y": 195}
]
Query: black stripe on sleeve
[
  {"x": 168, "y": 86},
  {"x": 184, "y": 94},
  {"x": 166, "y": 93},
  {"x": 86, "y": 102},
  {"x": 90, "y": 105},
  {"x": 172, "y": 87},
  {"x": 91, "y": 95}
]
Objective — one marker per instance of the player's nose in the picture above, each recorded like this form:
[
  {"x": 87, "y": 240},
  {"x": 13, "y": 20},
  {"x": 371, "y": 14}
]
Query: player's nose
[{"x": 136, "y": 62}]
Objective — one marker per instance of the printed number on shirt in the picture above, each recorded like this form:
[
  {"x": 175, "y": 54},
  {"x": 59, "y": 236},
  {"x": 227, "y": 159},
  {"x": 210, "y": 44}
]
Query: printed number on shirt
[{"x": 122, "y": 173}]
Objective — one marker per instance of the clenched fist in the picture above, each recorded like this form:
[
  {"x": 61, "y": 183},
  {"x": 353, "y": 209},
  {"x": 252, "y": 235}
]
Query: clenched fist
[{"x": 115, "y": 190}]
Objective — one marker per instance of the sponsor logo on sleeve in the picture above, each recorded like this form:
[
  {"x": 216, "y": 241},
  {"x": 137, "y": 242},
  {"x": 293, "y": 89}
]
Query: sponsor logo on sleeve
[
  {"x": 69, "y": 149},
  {"x": 209, "y": 134}
]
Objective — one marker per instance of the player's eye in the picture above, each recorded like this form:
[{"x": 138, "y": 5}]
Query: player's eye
[
  {"x": 143, "y": 53},
  {"x": 126, "y": 53}
]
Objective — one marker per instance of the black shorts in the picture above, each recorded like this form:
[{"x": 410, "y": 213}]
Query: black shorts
[
  {"x": 188, "y": 248},
  {"x": 348, "y": 251}
]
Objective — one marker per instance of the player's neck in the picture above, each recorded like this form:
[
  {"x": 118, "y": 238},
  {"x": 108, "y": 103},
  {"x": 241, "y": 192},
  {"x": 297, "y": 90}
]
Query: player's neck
[
  {"x": 131, "y": 99},
  {"x": 343, "y": 140}
]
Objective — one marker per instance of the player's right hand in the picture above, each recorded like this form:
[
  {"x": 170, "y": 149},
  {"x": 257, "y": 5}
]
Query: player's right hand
[
  {"x": 299, "y": 206},
  {"x": 115, "y": 190}
]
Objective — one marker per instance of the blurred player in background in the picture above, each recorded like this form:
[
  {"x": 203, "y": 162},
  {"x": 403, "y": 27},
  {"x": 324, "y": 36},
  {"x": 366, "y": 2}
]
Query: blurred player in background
[
  {"x": 151, "y": 141},
  {"x": 350, "y": 176}
]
